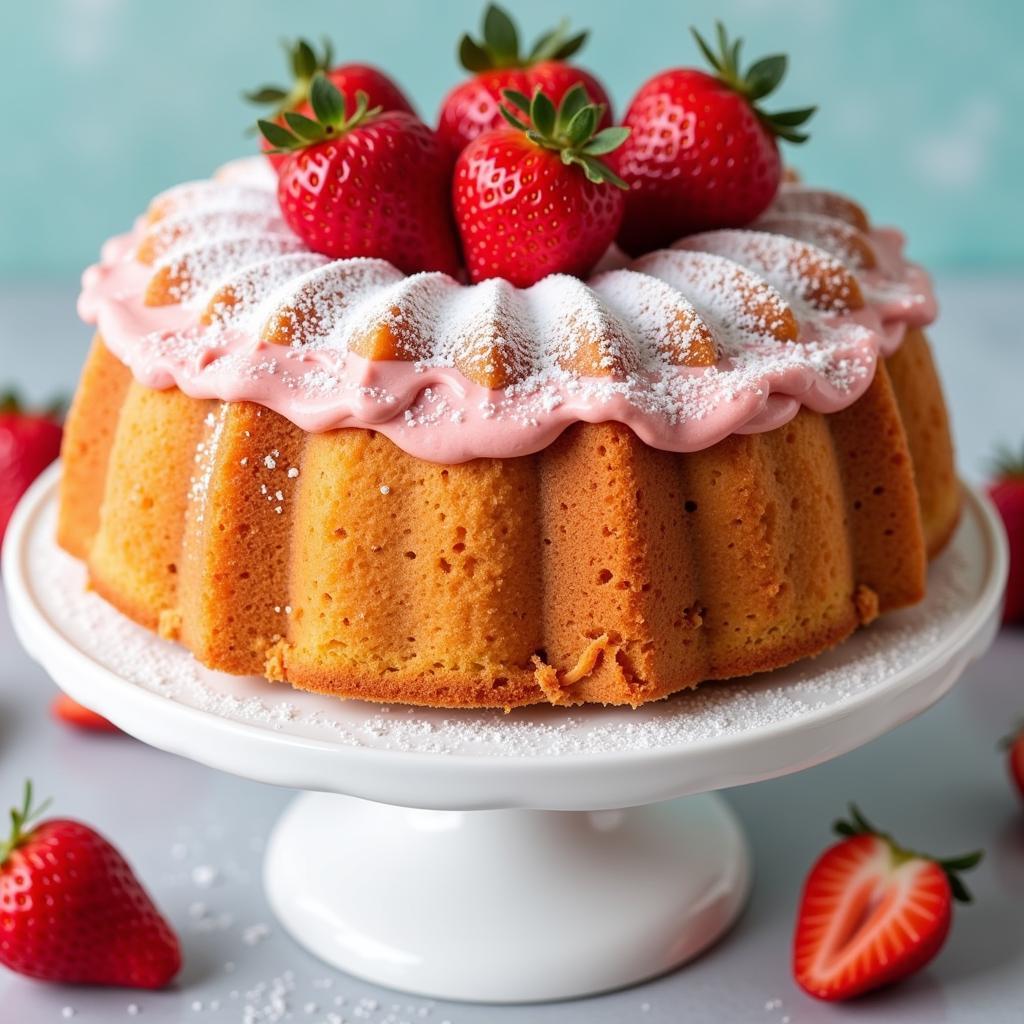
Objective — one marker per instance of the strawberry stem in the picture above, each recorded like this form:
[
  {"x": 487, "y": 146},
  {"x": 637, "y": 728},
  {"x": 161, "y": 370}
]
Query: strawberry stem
[
  {"x": 9, "y": 402},
  {"x": 331, "y": 118},
  {"x": 570, "y": 130},
  {"x": 499, "y": 45},
  {"x": 1007, "y": 742},
  {"x": 858, "y": 825},
  {"x": 1008, "y": 464},
  {"x": 12, "y": 405},
  {"x": 21, "y": 818},
  {"x": 304, "y": 63},
  {"x": 760, "y": 79}
]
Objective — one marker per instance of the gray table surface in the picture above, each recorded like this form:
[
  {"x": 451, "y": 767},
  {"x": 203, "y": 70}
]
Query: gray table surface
[{"x": 196, "y": 836}]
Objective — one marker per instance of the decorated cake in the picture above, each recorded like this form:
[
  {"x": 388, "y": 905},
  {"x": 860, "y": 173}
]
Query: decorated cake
[{"x": 536, "y": 407}]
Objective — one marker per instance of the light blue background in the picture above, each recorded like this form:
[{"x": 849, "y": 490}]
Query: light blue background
[{"x": 109, "y": 101}]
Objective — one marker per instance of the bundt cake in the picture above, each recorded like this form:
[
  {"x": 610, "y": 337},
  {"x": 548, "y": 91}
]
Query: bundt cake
[{"x": 706, "y": 462}]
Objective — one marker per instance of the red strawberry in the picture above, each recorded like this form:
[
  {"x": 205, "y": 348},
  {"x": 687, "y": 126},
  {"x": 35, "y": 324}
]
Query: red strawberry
[
  {"x": 29, "y": 442},
  {"x": 1007, "y": 492},
  {"x": 533, "y": 198},
  {"x": 474, "y": 106},
  {"x": 872, "y": 912},
  {"x": 366, "y": 184},
  {"x": 1014, "y": 746},
  {"x": 348, "y": 79},
  {"x": 72, "y": 911},
  {"x": 702, "y": 154},
  {"x": 64, "y": 709}
]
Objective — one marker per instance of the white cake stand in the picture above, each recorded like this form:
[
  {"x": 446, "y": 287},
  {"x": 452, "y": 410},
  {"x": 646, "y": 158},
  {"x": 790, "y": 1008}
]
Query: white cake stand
[{"x": 538, "y": 855}]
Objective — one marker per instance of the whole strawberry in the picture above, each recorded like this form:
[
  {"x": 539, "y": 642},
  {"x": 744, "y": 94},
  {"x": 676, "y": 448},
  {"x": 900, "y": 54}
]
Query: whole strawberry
[
  {"x": 702, "y": 154},
  {"x": 72, "y": 911},
  {"x": 348, "y": 79},
  {"x": 534, "y": 198},
  {"x": 29, "y": 442},
  {"x": 474, "y": 106},
  {"x": 366, "y": 183},
  {"x": 1007, "y": 493},
  {"x": 872, "y": 912}
]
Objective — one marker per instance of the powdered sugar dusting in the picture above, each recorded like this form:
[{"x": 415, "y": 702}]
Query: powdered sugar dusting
[
  {"x": 802, "y": 272},
  {"x": 728, "y": 331},
  {"x": 835, "y": 236},
  {"x": 194, "y": 268}
]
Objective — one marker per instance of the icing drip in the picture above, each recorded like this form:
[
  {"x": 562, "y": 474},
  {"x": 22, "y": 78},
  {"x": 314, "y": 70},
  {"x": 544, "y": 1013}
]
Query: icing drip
[{"x": 726, "y": 332}]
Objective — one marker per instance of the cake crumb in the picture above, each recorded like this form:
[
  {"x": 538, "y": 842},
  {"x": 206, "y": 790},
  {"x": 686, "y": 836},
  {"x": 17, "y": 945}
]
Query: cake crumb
[{"x": 865, "y": 600}]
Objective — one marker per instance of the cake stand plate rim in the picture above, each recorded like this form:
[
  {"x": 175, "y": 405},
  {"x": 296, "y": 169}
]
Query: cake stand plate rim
[{"x": 560, "y": 781}]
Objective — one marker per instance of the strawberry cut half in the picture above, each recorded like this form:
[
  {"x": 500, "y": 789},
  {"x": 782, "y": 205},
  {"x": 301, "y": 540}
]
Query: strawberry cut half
[{"x": 872, "y": 912}]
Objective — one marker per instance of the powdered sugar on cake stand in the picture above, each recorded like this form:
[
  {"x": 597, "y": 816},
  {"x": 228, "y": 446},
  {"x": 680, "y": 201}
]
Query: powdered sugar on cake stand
[{"x": 362, "y": 884}]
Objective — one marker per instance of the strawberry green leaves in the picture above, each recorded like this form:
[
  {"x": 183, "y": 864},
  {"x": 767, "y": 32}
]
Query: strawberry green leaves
[
  {"x": 1008, "y": 464},
  {"x": 759, "y": 80},
  {"x": 500, "y": 45},
  {"x": 305, "y": 63},
  {"x": 858, "y": 825},
  {"x": 571, "y": 130},
  {"x": 21, "y": 818},
  {"x": 331, "y": 118}
]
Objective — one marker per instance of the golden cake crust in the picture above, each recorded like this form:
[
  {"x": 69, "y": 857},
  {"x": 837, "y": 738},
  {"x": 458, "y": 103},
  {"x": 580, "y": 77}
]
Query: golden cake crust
[{"x": 596, "y": 570}]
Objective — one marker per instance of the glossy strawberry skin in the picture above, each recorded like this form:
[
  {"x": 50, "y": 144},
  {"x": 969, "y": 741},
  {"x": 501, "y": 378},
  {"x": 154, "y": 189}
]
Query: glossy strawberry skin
[
  {"x": 28, "y": 444},
  {"x": 379, "y": 190},
  {"x": 69, "y": 711},
  {"x": 382, "y": 91},
  {"x": 473, "y": 106},
  {"x": 697, "y": 158},
  {"x": 523, "y": 214},
  {"x": 865, "y": 922},
  {"x": 350, "y": 79},
  {"x": 72, "y": 911},
  {"x": 1008, "y": 496}
]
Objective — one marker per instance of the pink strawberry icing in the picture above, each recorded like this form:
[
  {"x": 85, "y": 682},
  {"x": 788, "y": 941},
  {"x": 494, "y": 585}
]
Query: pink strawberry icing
[{"x": 630, "y": 328}]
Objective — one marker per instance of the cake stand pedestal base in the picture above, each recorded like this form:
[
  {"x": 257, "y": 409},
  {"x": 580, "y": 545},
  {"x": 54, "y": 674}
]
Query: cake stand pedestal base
[{"x": 506, "y": 906}]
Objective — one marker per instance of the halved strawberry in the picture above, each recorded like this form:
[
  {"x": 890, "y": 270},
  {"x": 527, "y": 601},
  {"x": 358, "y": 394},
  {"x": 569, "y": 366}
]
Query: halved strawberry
[
  {"x": 349, "y": 79},
  {"x": 872, "y": 912}
]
